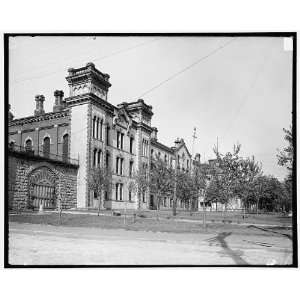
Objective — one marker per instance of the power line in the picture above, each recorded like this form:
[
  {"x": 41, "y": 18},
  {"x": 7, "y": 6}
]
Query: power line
[
  {"x": 95, "y": 59},
  {"x": 187, "y": 68},
  {"x": 246, "y": 96}
]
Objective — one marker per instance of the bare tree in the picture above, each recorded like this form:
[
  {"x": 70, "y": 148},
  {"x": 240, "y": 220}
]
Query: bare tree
[
  {"x": 161, "y": 180},
  {"x": 140, "y": 183},
  {"x": 100, "y": 181}
]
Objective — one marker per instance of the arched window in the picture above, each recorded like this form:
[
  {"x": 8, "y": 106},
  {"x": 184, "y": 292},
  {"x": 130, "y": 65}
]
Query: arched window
[
  {"x": 28, "y": 145},
  {"x": 107, "y": 159},
  {"x": 99, "y": 158},
  {"x": 101, "y": 129},
  {"x": 94, "y": 125},
  {"x": 97, "y": 128},
  {"x": 65, "y": 147},
  {"x": 94, "y": 157},
  {"x": 46, "y": 147}
]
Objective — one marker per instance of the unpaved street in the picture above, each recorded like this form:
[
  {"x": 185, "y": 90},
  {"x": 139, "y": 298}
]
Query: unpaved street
[{"x": 34, "y": 244}]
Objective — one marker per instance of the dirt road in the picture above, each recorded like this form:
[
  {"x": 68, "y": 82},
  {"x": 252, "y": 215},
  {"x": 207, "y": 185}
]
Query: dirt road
[{"x": 35, "y": 244}]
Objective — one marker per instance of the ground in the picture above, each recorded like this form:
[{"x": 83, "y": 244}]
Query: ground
[{"x": 105, "y": 240}]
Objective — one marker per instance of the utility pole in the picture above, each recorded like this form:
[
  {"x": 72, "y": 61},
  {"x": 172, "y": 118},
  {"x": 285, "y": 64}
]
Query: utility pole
[{"x": 194, "y": 138}]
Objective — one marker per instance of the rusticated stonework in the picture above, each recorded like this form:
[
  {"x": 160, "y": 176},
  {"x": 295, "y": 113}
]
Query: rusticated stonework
[{"x": 26, "y": 173}]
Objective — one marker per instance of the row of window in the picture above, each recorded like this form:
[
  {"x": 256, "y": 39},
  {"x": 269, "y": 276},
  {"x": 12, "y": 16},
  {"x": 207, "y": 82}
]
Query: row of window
[
  {"x": 98, "y": 156},
  {"x": 166, "y": 159},
  {"x": 119, "y": 187},
  {"x": 97, "y": 128},
  {"x": 120, "y": 166},
  {"x": 120, "y": 141},
  {"x": 145, "y": 147},
  {"x": 45, "y": 151}
]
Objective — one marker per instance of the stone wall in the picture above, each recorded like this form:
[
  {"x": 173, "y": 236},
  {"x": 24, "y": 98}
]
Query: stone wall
[{"x": 20, "y": 170}]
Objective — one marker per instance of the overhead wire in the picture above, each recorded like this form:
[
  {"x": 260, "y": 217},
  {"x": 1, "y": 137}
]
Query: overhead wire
[
  {"x": 93, "y": 59},
  {"x": 187, "y": 67},
  {"x": 244, "y": 99}
]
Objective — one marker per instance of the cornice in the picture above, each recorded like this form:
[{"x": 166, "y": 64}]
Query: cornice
[{"x": 33, "y": 119}]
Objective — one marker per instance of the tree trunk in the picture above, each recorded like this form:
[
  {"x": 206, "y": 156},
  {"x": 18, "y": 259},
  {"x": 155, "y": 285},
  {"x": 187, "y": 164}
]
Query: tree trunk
[
  {"x": 191, "y": 208},
  {"x": 157, "y": 208},
  {"x": 204, "y": 215},
  {"x": 99, "y": 204},
  {"x": 125, "y": 212},
  {"x": 174, "y": 206},
  {"x": 60, "y": 211}
]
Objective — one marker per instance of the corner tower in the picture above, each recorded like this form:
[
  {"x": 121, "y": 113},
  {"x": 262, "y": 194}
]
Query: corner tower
[{"x": 88, "y": 89}]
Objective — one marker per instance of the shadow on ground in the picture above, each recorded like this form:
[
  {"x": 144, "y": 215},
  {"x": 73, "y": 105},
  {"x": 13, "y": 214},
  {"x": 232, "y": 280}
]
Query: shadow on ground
[
  {"x": 289, "y": 236},
  {"x": 234, "y": 254}
]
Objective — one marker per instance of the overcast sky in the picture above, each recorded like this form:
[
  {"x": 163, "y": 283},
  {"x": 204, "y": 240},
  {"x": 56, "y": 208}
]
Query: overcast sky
[{"x": 237, "y": 89}]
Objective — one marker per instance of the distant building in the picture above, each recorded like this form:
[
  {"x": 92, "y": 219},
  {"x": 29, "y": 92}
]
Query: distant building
[{"x": 51, "y": 154}]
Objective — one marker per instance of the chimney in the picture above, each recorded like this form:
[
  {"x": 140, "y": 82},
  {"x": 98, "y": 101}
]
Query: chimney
[
  {"x": 177, "y": 142},
  {"x": 39, "y": 109},
  {"x": 10, "y": 115},
  {"x": 59, "y": 101},
  {"x": 154, "y": 133},
  {"x": 197, "y": 157}
]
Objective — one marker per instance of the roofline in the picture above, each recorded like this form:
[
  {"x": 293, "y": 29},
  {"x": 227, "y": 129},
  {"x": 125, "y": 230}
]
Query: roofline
[
  {"x": 162, "y": 146},
  {"x": 58, "y": 114}
]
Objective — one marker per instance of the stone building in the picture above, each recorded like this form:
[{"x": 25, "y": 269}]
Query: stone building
[{"x": 51, "y": 154}]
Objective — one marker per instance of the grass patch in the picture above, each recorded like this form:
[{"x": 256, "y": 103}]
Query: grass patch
[{"x": 141, "y": 223}]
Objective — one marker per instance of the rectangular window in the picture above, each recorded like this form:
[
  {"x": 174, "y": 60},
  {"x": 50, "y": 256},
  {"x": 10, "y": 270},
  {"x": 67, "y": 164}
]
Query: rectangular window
[
  {"x": 99, "y": 157},
  {"x": 118, "y": 140},
  {"x": 121, "y": 191},
  {"x": 131, "y": 145},
  {"x": 94, "y": 157},
  {"x": 107, "y": 160},
  {"x": 97, "y": 129},
  {"x": 107, "y": 136},
  {"x": 117, "y": 191},
  {"x": 130, "y": 168},
  {"x": 101, "y": 128},
  {"x": 129, "y": 196},
  {"x": 122, "y": 140},
  {"x": 145, "y": 148},
  {"x": 144, "y": 197},
  {"x": 121, "y": 166},
  {"x": 117, "y": 165}
]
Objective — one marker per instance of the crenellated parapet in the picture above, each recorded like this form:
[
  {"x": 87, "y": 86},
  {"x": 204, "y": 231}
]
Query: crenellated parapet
[{"x": 88, "y": 79}]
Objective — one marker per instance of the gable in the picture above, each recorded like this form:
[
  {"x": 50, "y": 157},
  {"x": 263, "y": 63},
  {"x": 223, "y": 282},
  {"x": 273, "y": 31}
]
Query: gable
[{"x": 183, "y": 150}]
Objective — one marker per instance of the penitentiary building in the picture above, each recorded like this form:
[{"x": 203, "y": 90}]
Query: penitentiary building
[{"x": 51, "y": 154}]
